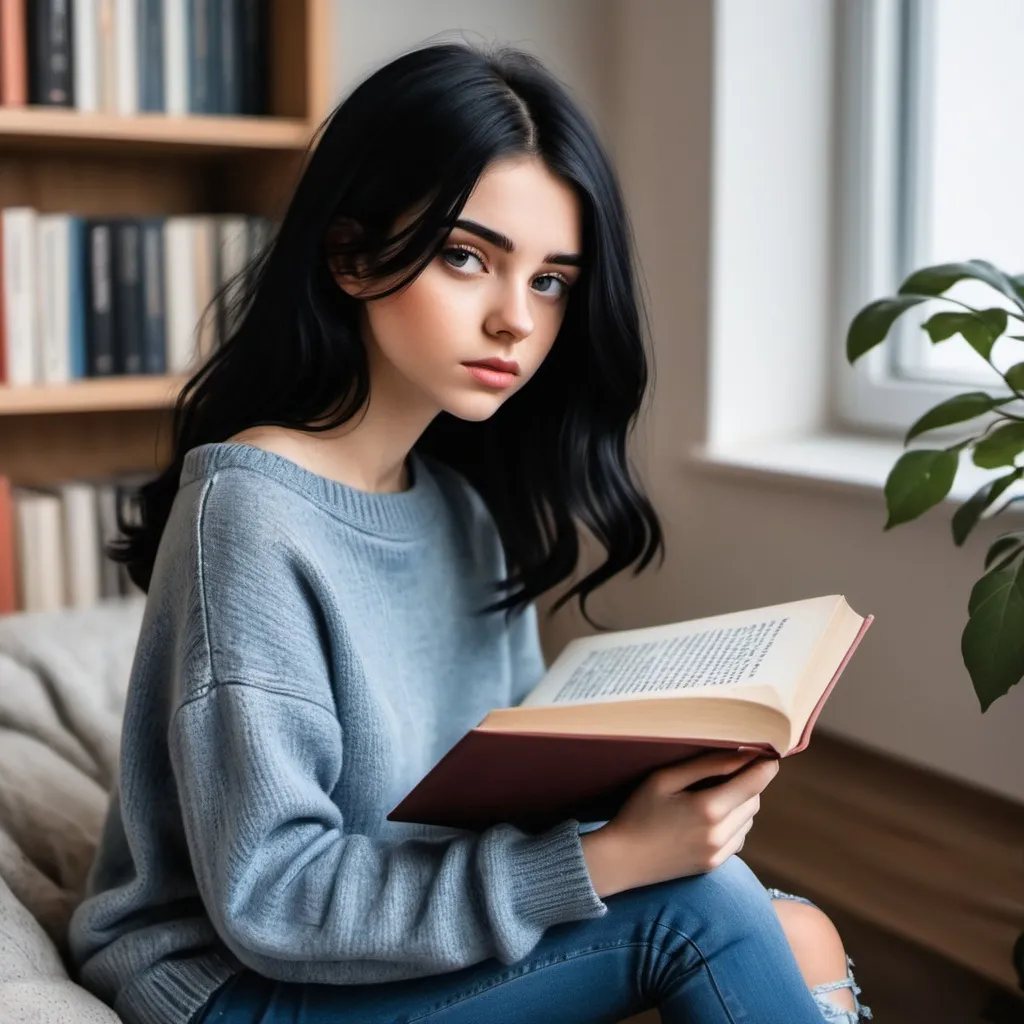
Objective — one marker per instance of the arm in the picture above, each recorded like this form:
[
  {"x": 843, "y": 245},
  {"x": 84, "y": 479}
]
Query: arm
[{"x": 299, "y": 898}]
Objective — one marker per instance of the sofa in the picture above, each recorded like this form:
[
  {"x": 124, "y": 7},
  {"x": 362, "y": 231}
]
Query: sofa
[{"x": 63, "y": 678}]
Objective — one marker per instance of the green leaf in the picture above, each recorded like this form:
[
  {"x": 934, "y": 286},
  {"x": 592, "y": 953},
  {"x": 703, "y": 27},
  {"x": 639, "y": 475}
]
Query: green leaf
[
  {"x": 919, "y": 480},
  {"x": 1000, "y": 447},
  {"x": 872, "y": 323},
  {"x": 994, "y": 319},
  {"x": 967, "y": 515},
  {"x": 1009, "y": 544},
  {"x": 934, "y": 281},
  {"x": 956, "y": 410},
  {"x": 992, "y": 644},
  {"x": 1015, "y": 376}
]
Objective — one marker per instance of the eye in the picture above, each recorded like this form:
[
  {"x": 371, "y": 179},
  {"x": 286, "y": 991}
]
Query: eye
[
  {"x": 458, "y": 258},
  {"x": 563, "y": 285}
]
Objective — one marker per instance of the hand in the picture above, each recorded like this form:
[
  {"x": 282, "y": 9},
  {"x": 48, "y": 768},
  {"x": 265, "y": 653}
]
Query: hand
[{"x": 662, "y": 831}]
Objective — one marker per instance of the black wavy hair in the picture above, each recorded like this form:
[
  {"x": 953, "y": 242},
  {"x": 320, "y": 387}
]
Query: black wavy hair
[{"x": 416, "y": 135}]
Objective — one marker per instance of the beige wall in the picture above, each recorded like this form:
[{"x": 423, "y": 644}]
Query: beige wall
[{"x": 645, "y": 70}]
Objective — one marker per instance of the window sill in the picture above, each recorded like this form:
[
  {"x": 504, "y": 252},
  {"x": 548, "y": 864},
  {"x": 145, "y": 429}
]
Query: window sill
[{"x": 848, "y": 463}]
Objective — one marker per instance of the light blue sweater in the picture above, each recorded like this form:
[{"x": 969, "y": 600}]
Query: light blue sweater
[{"x": 308, "y": 652}]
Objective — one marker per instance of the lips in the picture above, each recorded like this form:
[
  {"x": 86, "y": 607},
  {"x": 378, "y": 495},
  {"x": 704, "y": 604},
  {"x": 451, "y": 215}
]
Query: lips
[{"x": 501, "y": 365}]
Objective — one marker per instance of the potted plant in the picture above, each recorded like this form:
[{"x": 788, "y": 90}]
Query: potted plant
[{"x": 992, "y": 643}]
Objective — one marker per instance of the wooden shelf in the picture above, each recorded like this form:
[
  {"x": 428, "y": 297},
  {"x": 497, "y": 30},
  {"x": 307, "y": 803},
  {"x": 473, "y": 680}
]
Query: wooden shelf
[
  {"x": 69, "y": 130},
  {"x": 108, "y": 394}
]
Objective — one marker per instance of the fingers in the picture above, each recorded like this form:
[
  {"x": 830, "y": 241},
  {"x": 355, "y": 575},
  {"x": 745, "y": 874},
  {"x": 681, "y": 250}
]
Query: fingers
[
  {"x": 721, "y": 799},
  {"x": 677, "y": 777}
]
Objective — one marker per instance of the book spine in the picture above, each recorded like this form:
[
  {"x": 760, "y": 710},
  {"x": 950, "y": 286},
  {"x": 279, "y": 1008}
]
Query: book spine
[
  {"x": 179, "y": 293},
  {"x": 4, "y": 341},
  {"x": 229, "y": 70},
  {"x": 51, "y": 81},
  {"x": 85, "y": 46},
  {"x": 100, "y": 315},
  {"x": 77, "y": 298},
  {"x": 106, "y": 513},
  {"x": 40, "y": 550},
  {"x": 176, "y": 87},
  {"x": 253, "y": 29},
  {"x": 8, "y": 550},
  {"x": 20, "y": 303},
  {"x": 151, "y": 55},
  {"x": 54, "y": 264},
  {"x": 202, "y": 23},
  {"x": 127, "y": 278},
  {"x": 13, "y": 53},
  {"x": 126, "y": 48},
  {"x": 107, "y": 50},
  {"x": 81, "y": 544},
  {"x": 154, "y": 319}
]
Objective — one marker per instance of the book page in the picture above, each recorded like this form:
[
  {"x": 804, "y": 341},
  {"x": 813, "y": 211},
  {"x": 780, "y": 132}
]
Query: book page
[{"x": 766, "y": 646}]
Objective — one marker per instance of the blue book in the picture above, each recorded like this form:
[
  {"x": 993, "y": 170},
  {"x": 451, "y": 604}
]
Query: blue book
[
  {"x": 77, "y": 297},
  {"x": 151, "y": 55},
  {"x": 154, "y": 320}
]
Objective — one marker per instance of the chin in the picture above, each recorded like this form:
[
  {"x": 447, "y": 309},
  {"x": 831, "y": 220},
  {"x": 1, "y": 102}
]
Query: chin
[{"x": 474, "y": 408}]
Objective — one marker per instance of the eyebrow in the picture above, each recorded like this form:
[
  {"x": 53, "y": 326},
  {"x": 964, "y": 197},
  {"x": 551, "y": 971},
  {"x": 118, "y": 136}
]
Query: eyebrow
[{"x": 503, "y": 242}]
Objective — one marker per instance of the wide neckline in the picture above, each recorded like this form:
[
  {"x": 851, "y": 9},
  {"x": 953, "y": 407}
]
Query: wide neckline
[{"x": 395, "y": 513}]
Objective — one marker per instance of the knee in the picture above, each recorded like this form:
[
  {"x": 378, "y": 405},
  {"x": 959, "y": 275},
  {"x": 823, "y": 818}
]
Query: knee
[{"x": 814, "y": 939}]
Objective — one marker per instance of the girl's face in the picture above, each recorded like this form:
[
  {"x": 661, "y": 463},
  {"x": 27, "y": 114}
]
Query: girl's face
[{"x": 498, "y": 290}]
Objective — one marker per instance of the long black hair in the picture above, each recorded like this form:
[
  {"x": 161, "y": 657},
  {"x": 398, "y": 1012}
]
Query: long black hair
[{"x": 417, "y": 134}]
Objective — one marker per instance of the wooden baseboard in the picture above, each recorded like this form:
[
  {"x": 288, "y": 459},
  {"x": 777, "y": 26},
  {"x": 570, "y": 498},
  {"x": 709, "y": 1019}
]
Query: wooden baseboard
[{"x": 922, "y": 856}]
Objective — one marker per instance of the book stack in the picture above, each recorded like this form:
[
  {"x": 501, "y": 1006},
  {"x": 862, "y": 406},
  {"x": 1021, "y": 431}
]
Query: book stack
[
  {"x": 52, "y": 544},
  {"x": 130, "y": 56},
  {"x": 82, "y": 297}
]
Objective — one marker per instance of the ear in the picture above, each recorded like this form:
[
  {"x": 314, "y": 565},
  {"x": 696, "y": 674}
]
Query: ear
[{"x": 341, "y": 240}]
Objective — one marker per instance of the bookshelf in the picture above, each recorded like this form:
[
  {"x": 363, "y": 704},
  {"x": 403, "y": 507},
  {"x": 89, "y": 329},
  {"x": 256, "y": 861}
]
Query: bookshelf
[{"x": 59, "y": 160}]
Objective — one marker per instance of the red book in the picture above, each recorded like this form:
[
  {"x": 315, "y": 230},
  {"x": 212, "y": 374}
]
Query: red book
[
  {"x": 13, "y": 54},
  {"x": 613, "y": 708},
  {"x": 8, "y": 590}
]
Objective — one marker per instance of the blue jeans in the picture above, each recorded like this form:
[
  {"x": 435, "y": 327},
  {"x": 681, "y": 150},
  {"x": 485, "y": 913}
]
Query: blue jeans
[{"x": 707, "y": 949}]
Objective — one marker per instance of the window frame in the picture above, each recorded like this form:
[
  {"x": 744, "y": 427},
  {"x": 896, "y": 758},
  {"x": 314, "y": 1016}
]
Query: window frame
[{"x": 882, "y": 93}]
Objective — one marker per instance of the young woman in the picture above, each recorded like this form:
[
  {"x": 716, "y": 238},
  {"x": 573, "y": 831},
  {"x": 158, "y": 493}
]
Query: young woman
[{"x": 429, "y": 389}]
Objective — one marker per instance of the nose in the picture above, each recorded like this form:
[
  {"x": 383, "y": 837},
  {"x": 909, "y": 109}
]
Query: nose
[{"x": 510, "y": 313}]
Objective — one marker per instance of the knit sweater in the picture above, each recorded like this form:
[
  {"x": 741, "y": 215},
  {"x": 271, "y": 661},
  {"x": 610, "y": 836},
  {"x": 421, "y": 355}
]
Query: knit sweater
[{"x": 308, "y": 652}]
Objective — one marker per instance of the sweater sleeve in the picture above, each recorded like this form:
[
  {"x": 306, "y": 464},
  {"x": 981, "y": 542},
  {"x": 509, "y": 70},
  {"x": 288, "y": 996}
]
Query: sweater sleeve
[
  {"x": 297, "y": 897},
  {"x": 527, "y": 657}
]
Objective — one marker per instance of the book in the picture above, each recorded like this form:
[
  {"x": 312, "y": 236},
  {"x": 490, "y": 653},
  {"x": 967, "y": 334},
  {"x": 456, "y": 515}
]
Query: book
[
  {"x": 13, "y": 53},
  {"x": 151, "y": 55},
  {"x": 615, "y": 707},
  {"x": 85, "y": 60},
  {"x": 8, "y": 550},
  {"x": 21, "y": 318},
  {"x": 154, "y": 318},
  {"x": 40, "y": 541},
  {"x": 175, "y": 60},
  {"x": 50, "y": 73},
  {"x": 80, "y": 522},
  {"x": 126, "y": 276},
  {"x": 59, "y": 263},
  {"x": 100, "y": 347}
]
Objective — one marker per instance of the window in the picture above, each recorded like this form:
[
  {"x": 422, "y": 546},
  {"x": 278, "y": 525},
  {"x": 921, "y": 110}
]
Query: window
[{"x": 931, "y": 161}]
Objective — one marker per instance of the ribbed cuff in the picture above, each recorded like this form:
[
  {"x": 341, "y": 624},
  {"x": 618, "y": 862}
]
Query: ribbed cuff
[{"x": 550, "y": 880}]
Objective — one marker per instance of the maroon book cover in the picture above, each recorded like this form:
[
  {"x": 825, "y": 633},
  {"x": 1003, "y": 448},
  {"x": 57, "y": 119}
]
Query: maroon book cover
[{"x": 535, "y": 780}]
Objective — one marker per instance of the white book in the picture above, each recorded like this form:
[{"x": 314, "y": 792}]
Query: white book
[
  {"x": 205, "y": 269},
  {"x": 106, "y": 515},
  {"x": 81, "y": 543},
  {"x": 175, "y": 56},
  {"x": 53, "y": 264},
  {"x": 126, "y": 50},
  {"x": 40, "y": 543},
  {"x": 232, "y": 254},
  {"x": 85, "y": 61},
  {"x": 19, "y": 284},
  {"x": 107, "y": 55},
  {"x": 181, "y": 304}
]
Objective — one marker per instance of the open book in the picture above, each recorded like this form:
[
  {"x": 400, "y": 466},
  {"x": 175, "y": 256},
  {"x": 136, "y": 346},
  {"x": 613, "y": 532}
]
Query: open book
[{"x": 614, "y": 707}]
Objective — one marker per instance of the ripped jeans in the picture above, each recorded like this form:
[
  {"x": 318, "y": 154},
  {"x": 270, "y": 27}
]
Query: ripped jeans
[{"x": 706, "y": 949}]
